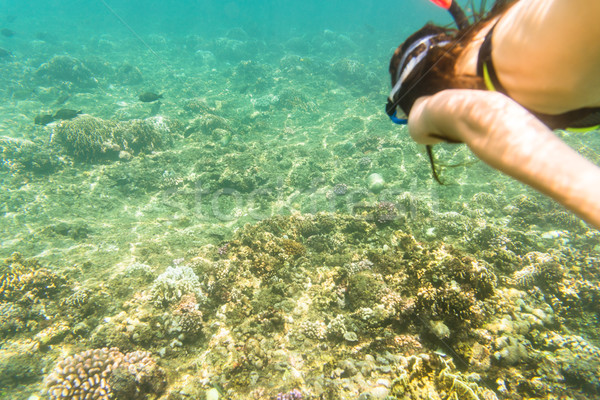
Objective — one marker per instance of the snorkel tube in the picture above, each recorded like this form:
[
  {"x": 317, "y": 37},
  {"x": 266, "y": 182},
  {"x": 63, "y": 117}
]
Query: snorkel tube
[{"x": 457, "y": 13}]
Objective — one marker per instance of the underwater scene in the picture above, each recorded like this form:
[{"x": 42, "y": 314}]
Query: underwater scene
[{"x": 206, "y": 200}]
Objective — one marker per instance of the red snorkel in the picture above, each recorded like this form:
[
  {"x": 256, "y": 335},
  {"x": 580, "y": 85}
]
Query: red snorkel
[
  {"x": 442, "y": 3},
  {"x": 457, "y": 13}
]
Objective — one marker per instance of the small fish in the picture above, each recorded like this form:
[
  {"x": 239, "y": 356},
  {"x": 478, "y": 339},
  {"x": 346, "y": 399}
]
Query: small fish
[
  {"x": 43, "y": 119},
  {"x": 65, "y": 113},
  {"x": 7, "y": 32},
  {"x": 149, "y": 97},
  {"x": 4, "y": 53}
]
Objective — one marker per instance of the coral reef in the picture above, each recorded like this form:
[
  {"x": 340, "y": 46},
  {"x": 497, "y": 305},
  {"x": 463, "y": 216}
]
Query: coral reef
[
  {"x": 128, "y": 74},
  {"x": 66, "y": 68},
  {"x": 232, "y": 50},
  {"x": 174, "y": 283},
  {"x": 26, "y": 282},
  {"x": 188, "y": 316},
  {"x": 207, "y": 124},
  {"x": 106, "y": 373},
  {"x": 577, "y": 358},
  {"x": 22, "y": 156},
  {"x": 345, "y": 306},
  {"x": 93, "y": 139},
  {"x": 294, "y": 394},
  {"x": 19, "y": 365},
  {"x": 31, "y": 318},
  {"x": 351, "y": 304}
]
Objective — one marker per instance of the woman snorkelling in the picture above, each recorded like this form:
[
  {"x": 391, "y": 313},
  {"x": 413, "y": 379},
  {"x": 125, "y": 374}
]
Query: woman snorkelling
[{"x": 502, "y": 85}]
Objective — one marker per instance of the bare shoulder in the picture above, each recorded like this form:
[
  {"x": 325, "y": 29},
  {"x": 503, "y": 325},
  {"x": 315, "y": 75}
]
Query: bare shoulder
[
  {"x": 568, "y": 24},
  {"x": 547, "y": 53}
]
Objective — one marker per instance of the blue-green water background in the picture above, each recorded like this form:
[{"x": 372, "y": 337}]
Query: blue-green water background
[{"x": 270, "y": 20}]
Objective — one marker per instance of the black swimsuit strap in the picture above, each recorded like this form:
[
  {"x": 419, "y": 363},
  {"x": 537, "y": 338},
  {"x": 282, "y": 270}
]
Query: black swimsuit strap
[
  {"x": 581, "y": 118},
  {"x": 485, "y": 58}
]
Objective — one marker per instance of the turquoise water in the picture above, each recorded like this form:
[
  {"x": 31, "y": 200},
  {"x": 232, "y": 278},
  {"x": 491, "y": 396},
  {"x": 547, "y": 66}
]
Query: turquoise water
[
  {"x": 259, "y": 228},
  {"x": 273, "y": 20}
]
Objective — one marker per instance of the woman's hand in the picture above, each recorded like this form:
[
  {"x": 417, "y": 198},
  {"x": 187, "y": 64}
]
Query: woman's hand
[
  {"x": 420, "y": 124},
  {"x": 506, "y": 136}
]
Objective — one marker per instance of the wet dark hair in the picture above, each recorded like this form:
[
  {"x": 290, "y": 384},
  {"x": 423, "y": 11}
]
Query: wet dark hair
[{"x": 436, "y": 72}]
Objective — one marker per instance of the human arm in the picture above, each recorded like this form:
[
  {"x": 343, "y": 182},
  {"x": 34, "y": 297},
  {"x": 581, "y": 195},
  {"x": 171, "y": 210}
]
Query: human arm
[{"x": 507, "y": 137}]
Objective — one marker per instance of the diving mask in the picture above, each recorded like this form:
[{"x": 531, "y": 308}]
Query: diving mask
[{"x": 405, "y": 67}]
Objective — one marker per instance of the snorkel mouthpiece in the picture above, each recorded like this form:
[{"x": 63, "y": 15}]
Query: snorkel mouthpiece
[{"x": 391, "y": 111}]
